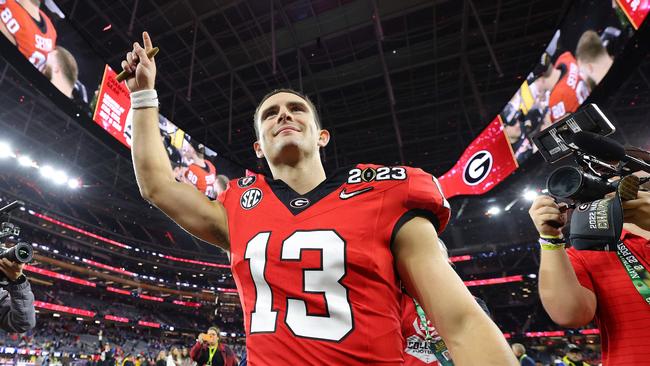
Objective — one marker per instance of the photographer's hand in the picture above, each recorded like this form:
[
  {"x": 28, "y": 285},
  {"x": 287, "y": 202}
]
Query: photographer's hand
[
  {"x": 549, "y": 217},
  {"x": 11, "y": 269},
  {"x": 637, "y": 211}
]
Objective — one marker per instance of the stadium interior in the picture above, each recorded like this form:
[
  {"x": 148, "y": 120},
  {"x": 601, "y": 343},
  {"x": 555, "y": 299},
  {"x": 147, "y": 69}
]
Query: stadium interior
[{"x": 409, "y": 82}]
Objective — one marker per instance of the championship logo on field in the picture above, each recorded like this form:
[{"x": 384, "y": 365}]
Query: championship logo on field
[
  {"x": 299, "y": 202},
  {"x": 250, "y": 198},
  {"x": 246, "y": 181},
  {"x": 478, "y": 168}
]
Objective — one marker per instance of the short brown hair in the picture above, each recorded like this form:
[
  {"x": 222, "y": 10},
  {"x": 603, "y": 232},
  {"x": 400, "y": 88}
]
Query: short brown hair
[
  {"x": 290, "y": 91},
  {"x": 68, "y": 64},
  {"x": 590, "y": 47}
]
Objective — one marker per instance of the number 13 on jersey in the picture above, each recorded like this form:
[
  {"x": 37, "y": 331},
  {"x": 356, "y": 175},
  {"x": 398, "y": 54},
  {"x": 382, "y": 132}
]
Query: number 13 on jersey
[{"x": 337, "y": 322}]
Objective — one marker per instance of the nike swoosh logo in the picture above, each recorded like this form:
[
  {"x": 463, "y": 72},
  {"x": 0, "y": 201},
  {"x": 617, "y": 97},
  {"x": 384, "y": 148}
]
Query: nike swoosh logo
[{"x": 346, "y": 195}]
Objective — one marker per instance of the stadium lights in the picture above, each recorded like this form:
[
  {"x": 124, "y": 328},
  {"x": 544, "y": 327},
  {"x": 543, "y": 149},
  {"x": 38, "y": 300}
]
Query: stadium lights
[
  {"x": 530, "y": 195},
  {"x": 74, "y": 183},
  {"x": 5, "y": 151},
  {"x": 494, "y": 210},
  {"x": 46, "y": 171},
  {"x": 26, "y": 161},
  {"x": 60, "y": 177}
]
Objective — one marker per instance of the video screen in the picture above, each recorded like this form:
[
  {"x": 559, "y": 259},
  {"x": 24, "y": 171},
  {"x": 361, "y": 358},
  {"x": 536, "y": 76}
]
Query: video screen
[
  {"x": 576, "y": 60},
  {"x": 40, "y": 31}
]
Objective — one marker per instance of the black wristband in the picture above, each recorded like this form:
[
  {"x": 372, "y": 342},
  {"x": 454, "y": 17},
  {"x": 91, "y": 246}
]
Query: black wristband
[
  {"x": 553, "y": 240},
  {"x": 21, "y": 279}
]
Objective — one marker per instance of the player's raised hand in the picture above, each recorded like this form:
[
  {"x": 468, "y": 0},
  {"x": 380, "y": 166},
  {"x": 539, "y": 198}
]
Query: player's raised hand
[{"x": 141, "y": 67}]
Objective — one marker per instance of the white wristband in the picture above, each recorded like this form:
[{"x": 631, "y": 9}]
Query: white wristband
[{"x": 144, "y": 99}]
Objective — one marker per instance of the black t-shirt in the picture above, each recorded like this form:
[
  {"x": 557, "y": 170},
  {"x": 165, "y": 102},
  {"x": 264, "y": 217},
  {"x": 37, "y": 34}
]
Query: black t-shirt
[{"x": 217, "y": 359}]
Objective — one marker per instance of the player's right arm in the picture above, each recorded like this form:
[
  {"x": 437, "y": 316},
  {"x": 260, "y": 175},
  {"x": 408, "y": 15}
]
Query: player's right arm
[
  {"x": 565, "y": 300},
  {"x": 183, "y": 203}
]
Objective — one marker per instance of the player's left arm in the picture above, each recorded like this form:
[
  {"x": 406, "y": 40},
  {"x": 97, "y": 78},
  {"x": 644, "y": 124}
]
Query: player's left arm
[{"x": 472, "y": 337}]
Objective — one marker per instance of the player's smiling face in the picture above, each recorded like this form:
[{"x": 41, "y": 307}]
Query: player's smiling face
[{"x": 287, "y": 129}]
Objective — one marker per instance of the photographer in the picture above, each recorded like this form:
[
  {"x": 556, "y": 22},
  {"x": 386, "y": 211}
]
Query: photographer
[
  {"x": 17, "y": 313},
  {"x": 578, "y": 286},
  {"x": 210, "y": 351}
]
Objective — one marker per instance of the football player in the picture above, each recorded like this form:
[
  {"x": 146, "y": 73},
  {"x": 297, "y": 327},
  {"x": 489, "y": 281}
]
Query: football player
[
  {"x": 318, "y": 259},
  {"x": 201, "y": 173},
  {"x": 566, "y": 87},
  {"x": 29, "y": 28}
]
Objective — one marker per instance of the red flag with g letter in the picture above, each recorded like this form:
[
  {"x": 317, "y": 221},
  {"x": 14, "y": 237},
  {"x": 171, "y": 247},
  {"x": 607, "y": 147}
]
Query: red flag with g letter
[{"x": 486, "y": 162}]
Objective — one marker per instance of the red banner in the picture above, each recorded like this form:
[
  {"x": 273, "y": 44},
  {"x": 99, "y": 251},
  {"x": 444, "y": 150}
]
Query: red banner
[
  {"x": 635, "y": 10},
  {"x": 486, "y": 162},
  {"x": 64, "y": 309},
  {"x": 113, "y": 104},
  {"x": 114, "y": 318}
]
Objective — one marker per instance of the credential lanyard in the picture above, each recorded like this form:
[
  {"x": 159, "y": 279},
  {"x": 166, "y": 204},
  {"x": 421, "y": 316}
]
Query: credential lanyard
[
  {"x": 636, "y": 270},
  {"x": 212, "y": 351},
  {"x": 437, "y": 346}
]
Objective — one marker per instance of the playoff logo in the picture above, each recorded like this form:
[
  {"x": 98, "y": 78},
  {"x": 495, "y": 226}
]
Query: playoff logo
[{"x": 478, "y": 167}]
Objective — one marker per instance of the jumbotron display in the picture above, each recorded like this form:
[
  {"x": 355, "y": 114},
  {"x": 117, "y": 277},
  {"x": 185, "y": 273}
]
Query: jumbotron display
[
  {"x": 44, "y": 37},
  {"x": 576, "y": 60}
]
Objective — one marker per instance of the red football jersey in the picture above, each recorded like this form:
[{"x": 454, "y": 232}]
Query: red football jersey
[
  {"x": 315, "y": 272},
  {"x": 34, "y": 39},
  {"x": 621, "y": 313},
  {"x": 416, "y": 350},
  {"x": 570, "y": 91},
  {"x": 202, "y": 177}
]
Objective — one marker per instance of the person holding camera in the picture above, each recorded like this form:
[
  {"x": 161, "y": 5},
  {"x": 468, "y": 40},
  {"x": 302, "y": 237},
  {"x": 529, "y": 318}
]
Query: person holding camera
[
  {"x": 577, "y": 287},
  {"x": 17, "y": 313},
  {"x": 210, "y": 351}
]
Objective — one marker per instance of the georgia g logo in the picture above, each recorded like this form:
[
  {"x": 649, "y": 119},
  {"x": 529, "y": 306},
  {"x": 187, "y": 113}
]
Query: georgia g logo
[{"x": 478, "y": 168}]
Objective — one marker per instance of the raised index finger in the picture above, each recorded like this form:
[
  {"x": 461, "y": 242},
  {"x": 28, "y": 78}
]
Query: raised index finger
[{"x": 146, "y": 40}]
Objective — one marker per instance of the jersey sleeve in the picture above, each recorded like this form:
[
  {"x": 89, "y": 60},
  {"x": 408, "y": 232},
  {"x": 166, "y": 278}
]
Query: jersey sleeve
[
  {"x": 423, "y": 198},
  {"x": 580, "y": 268}
]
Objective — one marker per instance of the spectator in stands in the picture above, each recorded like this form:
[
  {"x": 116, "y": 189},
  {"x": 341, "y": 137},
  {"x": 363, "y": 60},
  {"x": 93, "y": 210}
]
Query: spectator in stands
[
  {"x": 210, "y": 351},
  {"x": 520, "y": 352},
  {"x": 17, "y": 313},
  {"x": 573, "y": 356},
  {"x": 161, "y": 360},
  {"x": 172, "y": 356},
  {"x": 577, "y": 287},
  {"x": 185, "y": 359},
  {"x": 128, "y": 360}
]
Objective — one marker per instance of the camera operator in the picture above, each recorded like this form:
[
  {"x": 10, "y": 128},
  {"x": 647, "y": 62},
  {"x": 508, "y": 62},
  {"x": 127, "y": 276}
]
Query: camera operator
[
  {"x": 578, "y": 286},
  {"x": 17, "y": 313},
  {"x": 210, "y": 351}
]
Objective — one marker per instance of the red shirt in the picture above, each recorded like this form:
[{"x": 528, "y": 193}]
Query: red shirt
[
  {"x": 621, "y": 313},
  {"x": 570, "y": 90},
  {"x": 315, "y": 272},
  {"x": 34, "y": 40},
  {"x": 202, "y": 177}
]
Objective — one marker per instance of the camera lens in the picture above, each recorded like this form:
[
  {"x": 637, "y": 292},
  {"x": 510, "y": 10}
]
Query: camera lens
[
  {"x": 564, "y": 182},
  {"x": 23, "y": 252}
]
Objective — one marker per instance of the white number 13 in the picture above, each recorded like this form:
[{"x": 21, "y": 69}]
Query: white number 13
[{"x": 338, "y": 321}]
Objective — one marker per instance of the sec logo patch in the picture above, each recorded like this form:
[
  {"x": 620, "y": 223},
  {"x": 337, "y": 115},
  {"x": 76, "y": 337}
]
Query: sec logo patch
[{"x": 250, "y": 198}]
